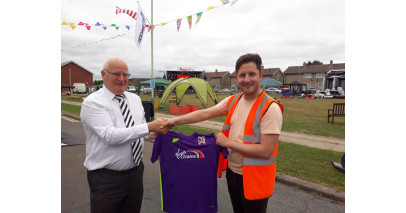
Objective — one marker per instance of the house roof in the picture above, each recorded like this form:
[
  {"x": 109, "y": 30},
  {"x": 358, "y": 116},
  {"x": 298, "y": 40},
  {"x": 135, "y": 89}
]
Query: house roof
[
  {"x": 67, "y": 62},
  {"x": 270, "y": 71},
  {"x": 319, "y": 68},
  {"x": 215, "y": 74}
]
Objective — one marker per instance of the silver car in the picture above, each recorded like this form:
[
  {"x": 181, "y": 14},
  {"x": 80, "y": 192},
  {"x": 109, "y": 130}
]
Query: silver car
[{"x": 273, "y": 91}]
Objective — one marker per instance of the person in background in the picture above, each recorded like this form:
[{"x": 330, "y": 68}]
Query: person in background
[
  {"x": 115, "y": 127},
  {"x": 339, "y": 166},
  {"x": 250, "y": 132}
]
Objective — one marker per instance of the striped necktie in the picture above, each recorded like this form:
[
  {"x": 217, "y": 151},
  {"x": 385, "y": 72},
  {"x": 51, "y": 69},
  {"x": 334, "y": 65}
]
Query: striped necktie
[{"x": 138, "y": 145}]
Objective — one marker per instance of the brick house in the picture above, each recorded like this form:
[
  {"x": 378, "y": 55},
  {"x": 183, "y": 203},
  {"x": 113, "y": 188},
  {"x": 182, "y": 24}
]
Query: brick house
[
  {"x": 274, "y": 73},
  {"x": 72, "y": 72},
  {"x": 218, "y": 80},
  {"x": 136, "y": 81},
  {"x": 310, "y": 75}
]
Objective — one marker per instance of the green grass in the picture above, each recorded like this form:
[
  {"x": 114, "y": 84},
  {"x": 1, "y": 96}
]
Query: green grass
[
  {"x": 310, "y": 164},
  {"x": 70, "y": 109},
  {"x": 300, "y": 115}
]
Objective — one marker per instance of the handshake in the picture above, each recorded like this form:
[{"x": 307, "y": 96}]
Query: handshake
[{"x": 161, "y": 125}]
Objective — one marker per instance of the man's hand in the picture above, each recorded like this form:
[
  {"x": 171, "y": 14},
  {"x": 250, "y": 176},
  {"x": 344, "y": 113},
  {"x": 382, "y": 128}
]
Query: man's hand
[
  {"x": 155, "y": 126},
  {"x": 222, "y": 140},
  {"x": 169, "y": 123},
  {"x": 152, "y": 135}
]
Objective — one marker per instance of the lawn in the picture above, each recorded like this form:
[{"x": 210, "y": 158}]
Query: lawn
[{"x": 300, "y": 115}]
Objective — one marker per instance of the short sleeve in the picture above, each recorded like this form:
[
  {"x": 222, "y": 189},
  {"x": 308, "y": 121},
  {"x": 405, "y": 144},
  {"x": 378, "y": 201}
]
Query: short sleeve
[
  {"x": 222, "y": 106},
  {"x": 272, "y": 121},
  {"x": 156, "y": 151}
]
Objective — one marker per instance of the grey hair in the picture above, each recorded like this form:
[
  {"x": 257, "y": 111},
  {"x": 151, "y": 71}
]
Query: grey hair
[{"x": 106, "y": 66}]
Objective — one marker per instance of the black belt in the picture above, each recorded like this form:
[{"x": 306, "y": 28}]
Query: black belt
[{"x": 114, "y": 172}]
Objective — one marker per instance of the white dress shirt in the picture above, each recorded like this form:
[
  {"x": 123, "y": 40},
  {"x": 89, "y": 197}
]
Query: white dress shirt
[{"x": 108, "y": 141}]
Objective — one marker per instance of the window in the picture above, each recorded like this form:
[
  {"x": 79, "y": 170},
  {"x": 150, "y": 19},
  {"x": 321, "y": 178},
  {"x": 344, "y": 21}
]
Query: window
[
  {"x": 319, "y": 75},
  {"x": 307, "y": 75}
]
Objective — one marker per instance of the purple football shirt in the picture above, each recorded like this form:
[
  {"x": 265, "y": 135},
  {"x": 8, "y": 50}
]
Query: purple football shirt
[{"x": 188, "y": 166}]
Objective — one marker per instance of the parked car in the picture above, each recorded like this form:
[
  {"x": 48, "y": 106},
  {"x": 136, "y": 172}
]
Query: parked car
[
  {"x": 225, "y": 90},
  {"x": 147, "y": 90},
  {"x": 131, "y": 89},
  {"x": 273, "y": 91}
]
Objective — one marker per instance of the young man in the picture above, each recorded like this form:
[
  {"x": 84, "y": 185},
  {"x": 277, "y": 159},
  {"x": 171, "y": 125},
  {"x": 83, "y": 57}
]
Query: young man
[
  {"x": 114, "y": 124},
  {"x": 250, "y": 133}
]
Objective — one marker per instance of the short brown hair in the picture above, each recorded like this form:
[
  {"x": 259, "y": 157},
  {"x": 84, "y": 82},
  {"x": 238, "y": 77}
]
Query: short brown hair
[{"x": 249, "y": 57}]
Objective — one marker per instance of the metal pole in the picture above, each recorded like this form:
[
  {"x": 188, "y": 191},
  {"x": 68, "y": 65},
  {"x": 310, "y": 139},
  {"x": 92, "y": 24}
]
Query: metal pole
[{"x": 152, "y": 52}]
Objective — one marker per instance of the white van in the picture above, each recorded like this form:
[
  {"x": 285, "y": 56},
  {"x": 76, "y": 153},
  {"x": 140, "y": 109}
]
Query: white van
[{"x": 79, "y": 88}]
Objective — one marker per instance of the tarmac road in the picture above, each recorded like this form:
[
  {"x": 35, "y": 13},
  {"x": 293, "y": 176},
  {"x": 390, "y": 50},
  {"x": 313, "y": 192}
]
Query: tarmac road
[{"x": 75, "y": 191}]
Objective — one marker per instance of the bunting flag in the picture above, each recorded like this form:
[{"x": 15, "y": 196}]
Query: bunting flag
[
  {"x": 72, "y": 25},
  {"x": 198, "y": 16},
  {"x": 114, "y": 25},
  {"x": 178, "y": 22},
  {"x": 140, "y": 26},
  {"x": 136, "y": 16},
  {"x": 128, "y": 12},
  {"x": 189, "y": 20}
]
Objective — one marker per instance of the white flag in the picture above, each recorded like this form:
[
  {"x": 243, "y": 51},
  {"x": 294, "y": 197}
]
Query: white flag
[{"x": 139, "y": 26}]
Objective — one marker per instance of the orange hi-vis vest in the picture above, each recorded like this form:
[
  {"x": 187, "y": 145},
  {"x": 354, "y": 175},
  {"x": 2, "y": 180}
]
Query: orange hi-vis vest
[{"x": 258, "y": 174}]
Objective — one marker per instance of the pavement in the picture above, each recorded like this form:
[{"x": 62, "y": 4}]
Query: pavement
[{"x": 315, "y": 141}]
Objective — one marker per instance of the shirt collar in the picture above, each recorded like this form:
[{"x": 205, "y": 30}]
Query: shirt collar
[{"x": 109, "y": 95}]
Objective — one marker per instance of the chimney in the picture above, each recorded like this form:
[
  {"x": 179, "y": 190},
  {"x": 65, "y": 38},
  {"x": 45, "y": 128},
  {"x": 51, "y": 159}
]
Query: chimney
[
  {"x": 331, "y": 62},
  {"x": 216, "y": 70},
  {"x": 304, "y": 64}
]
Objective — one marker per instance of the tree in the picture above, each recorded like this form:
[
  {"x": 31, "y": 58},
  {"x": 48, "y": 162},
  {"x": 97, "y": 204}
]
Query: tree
[
  {"x": 97, "y": 82},
  {"x": 314, "y": 62}
]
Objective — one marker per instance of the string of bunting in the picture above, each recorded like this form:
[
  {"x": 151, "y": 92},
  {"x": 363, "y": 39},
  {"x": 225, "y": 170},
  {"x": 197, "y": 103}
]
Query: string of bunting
[
  {"x": 133, "y": 15},
  {"x": 93, "y": 42}
]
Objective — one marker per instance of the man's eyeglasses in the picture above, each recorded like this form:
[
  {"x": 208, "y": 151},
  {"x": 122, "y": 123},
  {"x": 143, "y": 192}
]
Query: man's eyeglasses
[{"x": 117, "y": 74}]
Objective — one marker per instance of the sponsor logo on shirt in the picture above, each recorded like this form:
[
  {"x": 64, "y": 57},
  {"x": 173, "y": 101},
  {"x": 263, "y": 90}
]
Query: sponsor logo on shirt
[
  {"x": 191, "y": 153},
  {"x": 175, "y": 140},
  {"x": 201, "y": 140}
]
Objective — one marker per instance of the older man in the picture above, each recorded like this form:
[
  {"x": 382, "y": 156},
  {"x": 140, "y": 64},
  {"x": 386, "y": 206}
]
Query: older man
[{"x": 114, "y": 123}]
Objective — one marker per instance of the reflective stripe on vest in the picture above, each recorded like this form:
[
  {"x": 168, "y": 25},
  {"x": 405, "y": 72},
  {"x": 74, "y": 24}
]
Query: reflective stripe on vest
[
  {"x": 258, "y": 161},
  {"x": 258, "y": 174}
]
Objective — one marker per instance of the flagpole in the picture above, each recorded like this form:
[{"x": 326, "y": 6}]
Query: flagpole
[{"x": 152, "y": 52}]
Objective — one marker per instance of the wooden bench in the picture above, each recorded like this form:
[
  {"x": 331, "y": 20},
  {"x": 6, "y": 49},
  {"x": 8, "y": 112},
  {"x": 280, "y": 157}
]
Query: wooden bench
[{"x": 337, "y": 111}]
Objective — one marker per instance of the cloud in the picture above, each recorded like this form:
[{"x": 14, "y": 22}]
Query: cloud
[{"x": 284, "y": 33}]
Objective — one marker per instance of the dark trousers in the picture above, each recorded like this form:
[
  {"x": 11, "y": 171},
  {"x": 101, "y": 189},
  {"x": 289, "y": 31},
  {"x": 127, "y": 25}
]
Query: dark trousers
[
  {"x": 116, "y": 191},
  {"x": 238, "y": 200}
]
